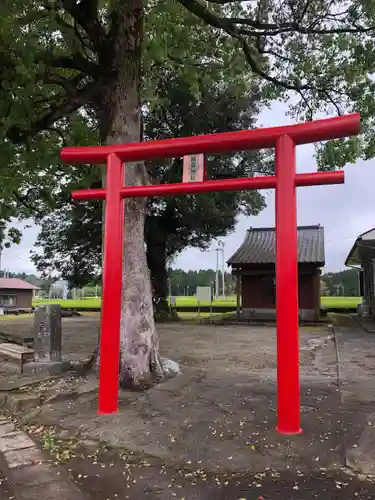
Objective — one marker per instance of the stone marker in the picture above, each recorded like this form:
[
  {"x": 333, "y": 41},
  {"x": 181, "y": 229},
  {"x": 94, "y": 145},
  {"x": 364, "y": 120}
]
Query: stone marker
[{"x": 47, "y": 334}]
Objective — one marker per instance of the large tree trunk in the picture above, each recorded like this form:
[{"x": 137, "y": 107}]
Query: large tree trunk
[
  {"x": 156, "y": 260},
  {"x": 157, "y": 263},
  {"x": 140, "y": 363}
]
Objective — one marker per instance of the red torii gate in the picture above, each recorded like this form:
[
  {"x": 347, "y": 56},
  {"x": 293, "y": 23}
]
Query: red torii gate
[{"x": 284, "y": 140}]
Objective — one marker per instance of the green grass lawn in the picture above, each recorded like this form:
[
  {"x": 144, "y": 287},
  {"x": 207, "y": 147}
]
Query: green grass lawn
[
  {"x": 92, "y": 302},
  {"x": 340, "y": 302},
  {"x": 337, "y": 302},
  {"x": 81, "y": 303}
]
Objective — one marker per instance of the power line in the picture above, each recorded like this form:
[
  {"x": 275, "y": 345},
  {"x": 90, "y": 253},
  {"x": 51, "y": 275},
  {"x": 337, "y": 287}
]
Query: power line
[{"x": 342, "y": 238}]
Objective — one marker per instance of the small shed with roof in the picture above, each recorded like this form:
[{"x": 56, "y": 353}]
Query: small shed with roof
[
  {"x": 16, "y": 294},
  {"x": 254, "y": 266},
  {"x": 362, "y": 258}
]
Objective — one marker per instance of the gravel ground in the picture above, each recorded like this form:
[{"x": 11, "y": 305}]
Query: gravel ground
[{"x": 209, "y": 434}]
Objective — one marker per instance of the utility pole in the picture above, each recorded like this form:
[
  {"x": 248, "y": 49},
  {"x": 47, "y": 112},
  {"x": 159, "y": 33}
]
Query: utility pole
[
  {"x": 220, "y": 249},
  {"x": 217, "y": 273},
  {"x": 223, "y": 268},
  {"x": 2, "y": 238}
]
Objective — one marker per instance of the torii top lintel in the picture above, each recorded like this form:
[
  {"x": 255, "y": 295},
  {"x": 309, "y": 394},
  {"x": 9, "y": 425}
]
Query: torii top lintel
[
  {"x": 285, "y": 181},
  {"x": 302, "y": 133}
]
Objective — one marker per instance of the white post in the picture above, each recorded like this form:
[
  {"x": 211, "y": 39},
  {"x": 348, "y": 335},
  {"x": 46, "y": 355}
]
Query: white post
[
  {"x": 223, "y": 270},
  {"x": 217, "y": 274}
]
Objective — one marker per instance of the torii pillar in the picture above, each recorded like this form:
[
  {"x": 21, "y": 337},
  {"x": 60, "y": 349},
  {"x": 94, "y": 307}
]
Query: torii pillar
[{"x": 284, "y": 140}]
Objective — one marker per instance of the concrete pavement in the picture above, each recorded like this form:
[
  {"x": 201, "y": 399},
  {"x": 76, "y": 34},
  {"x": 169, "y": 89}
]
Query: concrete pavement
[
  {"x": 220, "y": 415},
  {"x": 5, "y": 491},
  {"x": 29, "y": 476},
  {"x": 356, "y": 362}
]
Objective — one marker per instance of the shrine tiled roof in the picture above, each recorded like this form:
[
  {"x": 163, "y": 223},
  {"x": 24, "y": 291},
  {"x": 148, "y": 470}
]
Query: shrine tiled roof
[{"x": 259, "y": 246}]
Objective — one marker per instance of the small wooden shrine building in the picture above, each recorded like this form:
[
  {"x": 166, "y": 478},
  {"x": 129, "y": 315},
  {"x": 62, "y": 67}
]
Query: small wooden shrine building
[{"x": 254, "y": 266}]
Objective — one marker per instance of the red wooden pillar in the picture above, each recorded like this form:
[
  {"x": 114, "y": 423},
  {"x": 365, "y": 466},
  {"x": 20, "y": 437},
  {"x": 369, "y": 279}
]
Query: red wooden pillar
[
  {"x": 288, "y": 398},
  {"x": 284, "y": 140},
  {"x": 112, "y": 287}
]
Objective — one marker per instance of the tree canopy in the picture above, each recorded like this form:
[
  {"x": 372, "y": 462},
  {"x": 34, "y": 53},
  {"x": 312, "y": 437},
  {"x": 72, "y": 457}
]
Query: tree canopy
[
  {"x": 54, "y": 63},
  {"x": 316, "y": 55},
  {"x": 70, "y": 238}
]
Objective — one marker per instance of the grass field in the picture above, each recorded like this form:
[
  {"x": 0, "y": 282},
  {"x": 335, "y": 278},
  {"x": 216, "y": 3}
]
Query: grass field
[
  {"x": 326, "y": 302},
  {"x": 341, "y": 302}
]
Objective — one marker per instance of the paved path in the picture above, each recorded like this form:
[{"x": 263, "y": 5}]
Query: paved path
[
  {"x": 5, "y": 490},
  {"x": 31, "y": 476},
  {"x": 356, "y": 353}
]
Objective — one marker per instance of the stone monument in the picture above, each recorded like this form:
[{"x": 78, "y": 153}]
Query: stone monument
[
  {"x": 47, "y": 334},
  {"x": 47, "y": 340}
]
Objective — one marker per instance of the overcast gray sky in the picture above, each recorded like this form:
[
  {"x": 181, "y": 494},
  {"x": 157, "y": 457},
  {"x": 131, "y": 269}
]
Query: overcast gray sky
[{"x": 344, "y": 210}]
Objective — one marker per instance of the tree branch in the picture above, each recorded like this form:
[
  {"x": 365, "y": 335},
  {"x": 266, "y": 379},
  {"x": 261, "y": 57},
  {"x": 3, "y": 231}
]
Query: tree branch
[
  {"x": 221, "y": 23},
  {"x": 23, "y": 200},
  {"x": 224, "y": 2},
  {"x": 329, "y": 99},
  {"x": 263, "y": 29},
  {"x": 76, "y": 62},
  {"x": 85, "y": 14},
  {"x": 57, "y": 111}
]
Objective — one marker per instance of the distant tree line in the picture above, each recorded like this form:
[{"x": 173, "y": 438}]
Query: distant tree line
[
  {"x": 185, "y": 282},
  {"x": 343, "y": 283},
  {"x": 180, "y": 282}
]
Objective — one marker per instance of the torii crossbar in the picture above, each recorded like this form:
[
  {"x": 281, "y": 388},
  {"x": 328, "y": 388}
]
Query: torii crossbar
[{"x": 284, "y": 140}]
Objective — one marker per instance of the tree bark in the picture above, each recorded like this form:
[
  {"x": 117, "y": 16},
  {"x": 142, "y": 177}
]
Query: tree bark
[
  {"x": 157, "y": 263},
  {"x": 159, "y": 280},
  {"x": 120, "y": 121}
]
